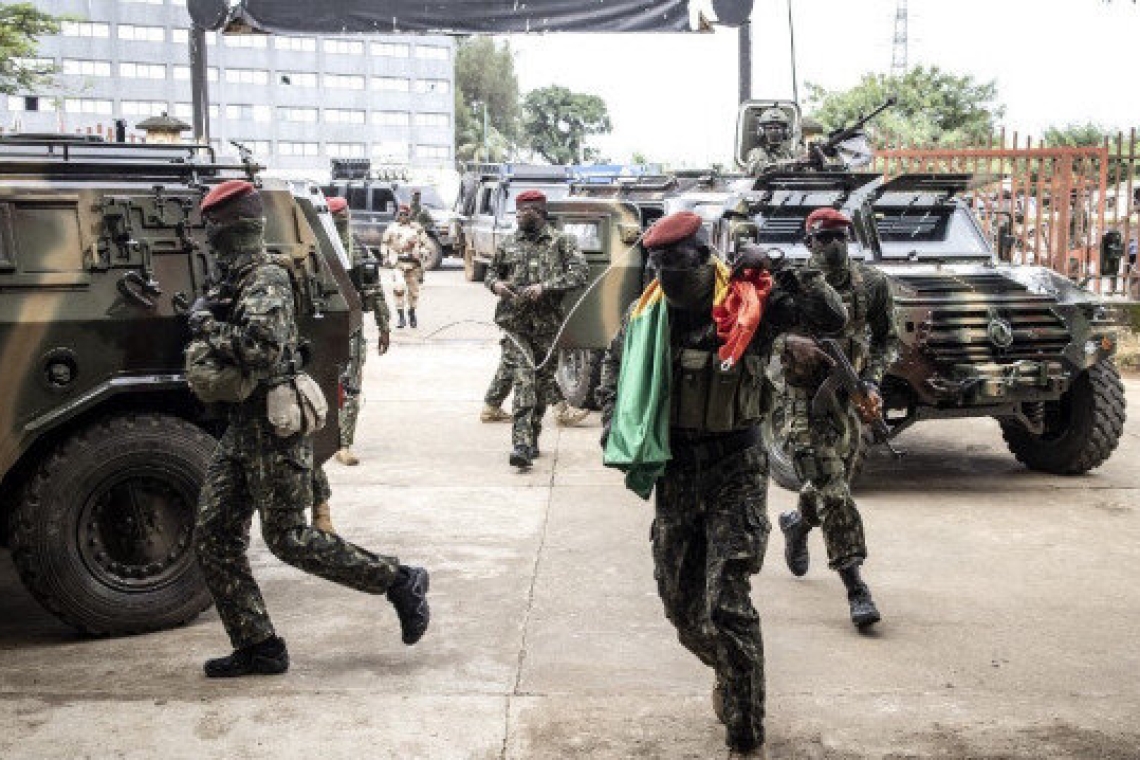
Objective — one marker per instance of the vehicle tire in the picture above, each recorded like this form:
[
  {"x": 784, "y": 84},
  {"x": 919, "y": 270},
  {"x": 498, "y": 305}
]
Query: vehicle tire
[
  {"x": 103, "y": 533},
  {"x": 473, "y": 270},
  {"x": 1082, "y": 428},
  {"x": 434, "y": 256},
  {"x": 578, "y": 374},
  {"x": 774, "y": 435}
]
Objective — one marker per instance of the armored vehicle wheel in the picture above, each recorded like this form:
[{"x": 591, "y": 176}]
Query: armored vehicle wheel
[
  {"x": 434, "y": 256},
  {"x": 578, "y": 374},
  {"x": 774, "y": 435},
  {"x": 1081, "y": 429},
  {"x": 473, "y": 270},
  {"x": 103, "y": 536}
]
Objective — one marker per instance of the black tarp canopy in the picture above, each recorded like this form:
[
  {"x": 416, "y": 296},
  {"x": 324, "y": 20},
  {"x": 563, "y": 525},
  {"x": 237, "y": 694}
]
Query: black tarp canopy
[{"x": 454, "y": 16}]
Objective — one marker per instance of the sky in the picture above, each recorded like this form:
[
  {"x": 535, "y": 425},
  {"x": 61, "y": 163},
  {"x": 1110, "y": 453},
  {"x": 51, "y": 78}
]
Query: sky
[{"x": 673, "y": 97}]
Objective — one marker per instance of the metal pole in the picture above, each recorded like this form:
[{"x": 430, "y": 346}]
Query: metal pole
[
  {"x": 199, "y": 85},
  {"x": 745, "y": 55},
  {"x": 485, "y": 154},
  {"x": 792, "y": 38}
]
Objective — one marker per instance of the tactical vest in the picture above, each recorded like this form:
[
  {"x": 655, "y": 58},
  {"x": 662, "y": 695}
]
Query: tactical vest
[
  {"x": 709, "y": 397},
  {"x": 854, "y": 338}
]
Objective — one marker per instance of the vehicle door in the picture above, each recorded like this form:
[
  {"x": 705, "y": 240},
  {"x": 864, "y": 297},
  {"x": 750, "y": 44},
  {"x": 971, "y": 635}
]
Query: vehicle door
[{"x": 483, "y": 223}]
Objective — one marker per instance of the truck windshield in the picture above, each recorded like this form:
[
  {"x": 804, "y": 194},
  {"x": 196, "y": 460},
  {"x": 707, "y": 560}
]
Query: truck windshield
[
  {"x": 915, "y": 227},
  {"x": 429, "y": 196}
]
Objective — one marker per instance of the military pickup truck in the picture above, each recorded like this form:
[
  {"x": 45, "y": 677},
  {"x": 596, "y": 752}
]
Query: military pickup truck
[
  {"x": 485, "y": 207},
  {"x": 103, "y": 448}
]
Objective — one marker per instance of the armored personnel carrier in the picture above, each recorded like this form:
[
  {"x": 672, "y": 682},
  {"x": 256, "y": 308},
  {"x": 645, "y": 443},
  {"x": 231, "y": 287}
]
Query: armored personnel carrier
[{"x": 102, "y": 447}]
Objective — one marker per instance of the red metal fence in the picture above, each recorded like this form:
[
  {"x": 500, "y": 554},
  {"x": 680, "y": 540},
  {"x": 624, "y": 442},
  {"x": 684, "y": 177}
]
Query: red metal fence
[{"x": 1057, "y": 203}]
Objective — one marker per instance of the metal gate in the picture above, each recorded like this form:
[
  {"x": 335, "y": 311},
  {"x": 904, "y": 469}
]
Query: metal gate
[{"x": 1053, "y": 205}]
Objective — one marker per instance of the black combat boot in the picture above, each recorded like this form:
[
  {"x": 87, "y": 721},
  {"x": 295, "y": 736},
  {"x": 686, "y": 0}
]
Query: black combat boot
[
  {"x": 520, "y": 456},
  {"x": 400, "y": 314},
  {"x": 409, "y": 596},
  {"x": 412, "y": 318},
  {"x": 534, "y": 452},
  {"x": 266, "y": 658},
  {"x": 863, "y": 610},
  {"x": 795, "y": 529}
]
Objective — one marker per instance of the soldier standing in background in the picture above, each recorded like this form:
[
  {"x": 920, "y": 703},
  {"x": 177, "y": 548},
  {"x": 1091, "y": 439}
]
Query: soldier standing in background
[
  {"x": 710, "y": 529},
  {"x": 871, "y": 343},
  {"x": 367, "y": 282},
  {"x": 255, "y": 469},
  {"x": 419, "y": 214},
  {"x": 403, "y": 246},
  {"x": 530, "y": 273},
  {"x": 774, "y": 141},
  {"x": 1111, "y": 252},
  {"x": 500, "y": 387}
]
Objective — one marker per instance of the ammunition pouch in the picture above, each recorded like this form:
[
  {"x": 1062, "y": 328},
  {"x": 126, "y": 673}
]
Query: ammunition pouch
[
  {"x": 367, "y": 274},
  {"x": 711, "y": 397},
  {"x": 214, "y": 380},
  {"x": 296, "y": 405}
]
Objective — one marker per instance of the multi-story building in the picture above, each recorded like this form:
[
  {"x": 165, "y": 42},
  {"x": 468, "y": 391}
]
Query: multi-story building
[{"x": 295, "y": 102}]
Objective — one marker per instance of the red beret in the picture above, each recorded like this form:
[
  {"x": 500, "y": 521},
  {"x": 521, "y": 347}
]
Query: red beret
[
  {"x": 337, "y": 204},
  {"x": 826, "y": 219},
  {"x": 404, "y": 209},
  {"x": 531, "y": 196},
  {"x": 671, "y": 229},
  {"x": 229, "y": 190}
]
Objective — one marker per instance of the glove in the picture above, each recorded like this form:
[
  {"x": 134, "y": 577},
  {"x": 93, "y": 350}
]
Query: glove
[
  {"x": 752, "y": 256},
  {"x": 532, "y": 292},
  {"x": 200, "y": 322},
  {"x": 383, "y": 343},
  {"x": 503, "y": 290},
  {"x": 870, "y": 406}
]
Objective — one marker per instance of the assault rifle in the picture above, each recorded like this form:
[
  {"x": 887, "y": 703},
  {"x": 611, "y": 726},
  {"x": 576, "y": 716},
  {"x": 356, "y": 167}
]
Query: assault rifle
[
  {"x": 843, "y": 376},
  {"x": 819, "y": 153}
]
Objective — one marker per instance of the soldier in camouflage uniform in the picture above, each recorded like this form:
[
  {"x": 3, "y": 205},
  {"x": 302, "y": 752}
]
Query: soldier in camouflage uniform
[
  {"x": 404, "y": 245},
  {"x": 371, "y": 299},
  {"x": 254, "y": 469},
  {"x": 871, "y": 343},
  {"x": 774, "y": 141},
  {"x": 500, "y": 387},
  {"x": 530, "y": 273},
  {"x": 710, "y": 529}
]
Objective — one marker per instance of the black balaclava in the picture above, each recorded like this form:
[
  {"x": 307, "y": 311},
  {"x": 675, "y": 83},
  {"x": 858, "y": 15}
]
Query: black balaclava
[
  {"x": 686, "y": 273},
  {"x": 829, "y": 254},
  {"x": 235, "y": 231}
]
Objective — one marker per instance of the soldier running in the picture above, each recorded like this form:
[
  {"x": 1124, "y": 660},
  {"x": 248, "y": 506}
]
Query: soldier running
[
  {"x": 404, "y": 245},
  {"x": 695, "y": 355},
  {"x": 871, "y": 343},
  {"x": 254, "y": 469}
]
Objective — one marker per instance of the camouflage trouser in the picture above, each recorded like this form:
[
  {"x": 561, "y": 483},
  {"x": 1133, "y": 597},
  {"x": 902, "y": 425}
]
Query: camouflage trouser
[
  {"x": 372, "y": 299},
  {"x": 408, "y": 292},
  {"x": 533, "y": 389},
  {"x": 500, "y": 386},
  {"x": 253, "y": 470},
  {"x": 322, "y": 491},
  {"x": 709, "y": 537},
  {"x": 353, "y": 391},
  {"x": 825, "y": 499}
]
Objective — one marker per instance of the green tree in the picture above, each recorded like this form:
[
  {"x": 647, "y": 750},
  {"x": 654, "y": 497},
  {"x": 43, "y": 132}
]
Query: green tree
[
  {"x": 933, "y": 106},
  {"x": 557, "y": 122},
  {"x": 1090, "y": 135},
  {"x": 20, "y": 26},
  {"x": 485, "y": 80}
]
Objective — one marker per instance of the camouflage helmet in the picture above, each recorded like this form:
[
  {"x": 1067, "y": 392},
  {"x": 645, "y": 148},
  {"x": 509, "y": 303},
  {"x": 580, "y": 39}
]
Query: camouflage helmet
[{"x": 773, "y": 126}]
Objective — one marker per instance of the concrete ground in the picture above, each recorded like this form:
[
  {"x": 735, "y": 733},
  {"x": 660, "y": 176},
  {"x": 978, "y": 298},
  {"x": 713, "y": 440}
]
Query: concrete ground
[{"x": 1010, "y": 601}]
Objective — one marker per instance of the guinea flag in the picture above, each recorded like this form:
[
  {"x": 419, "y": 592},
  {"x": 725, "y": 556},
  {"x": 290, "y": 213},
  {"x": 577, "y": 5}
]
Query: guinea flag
[{"x": 638, "y": 443}]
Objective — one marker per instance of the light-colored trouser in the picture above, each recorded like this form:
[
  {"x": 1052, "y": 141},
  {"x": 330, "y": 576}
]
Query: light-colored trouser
[{"x": 408, "y": 293}]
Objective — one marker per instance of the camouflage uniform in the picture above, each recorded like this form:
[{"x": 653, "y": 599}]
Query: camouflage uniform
[
  {"x": 371, "y": 299},
  {"x": 254, "y": 469},
  {"x": 500, "y": 386},
  {"x": 550, "y": 259},
  {"x": 871, "y": 342},
  {"x": 710, "y": 529},
  {"x": 761, "y": 157},
  {"x": 404, "y": 246}
]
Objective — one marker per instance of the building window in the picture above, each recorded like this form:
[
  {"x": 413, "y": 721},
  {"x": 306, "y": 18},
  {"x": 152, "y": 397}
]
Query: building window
[
  {"x": 186, "y": 111},
  {"x": 73, "y": 67},
  {"x": 433, "y": 151},
  {"x": 298, "y": 78},
  {"x": 390, "y": 118},
  {"x": 144, "y": 107},
  {"x": 344, "y": 47},
  {"x": 390, "y": 150},
  {"x": 435, "y": 86},
  {"x": 390, "y": 84},
  {"x": 258, "y": 147},
  {"x": 345, "y": 150},
  {"x": 182, "y": 73},
  {"x": 344, "y": 82},
  {"x": 304, "y": 115},
  {"x": 180, "y": 36},
  {"x": 29, "y": 103},
  {"x": 389, "y": 49},
  {"x": 432, "y": 53},
  {"x": 142, "y": 70},
  {"x": 247, "y": 76},
  {"x": 296, "y": 44},
  {"x": 85, "y": 29},
  {"x": 287, "y": 148},
  {"x": 142, "y": 33},
  {"x": 88, "y": 105},
  {"x": 259, "y": 41},
  {"x": 343, "y": 116},
  {"x": 432, "y": 120},
  {"x": 145, "y": 2}
]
